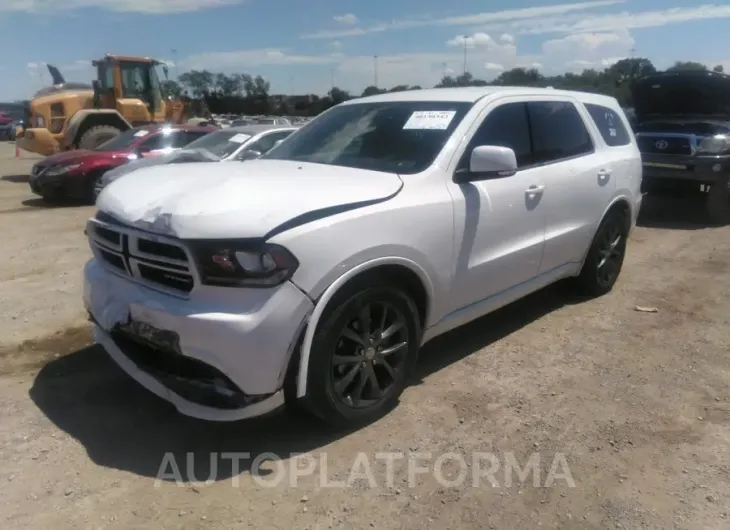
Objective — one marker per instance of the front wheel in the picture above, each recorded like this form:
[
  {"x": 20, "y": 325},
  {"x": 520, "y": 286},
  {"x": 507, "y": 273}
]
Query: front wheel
[
  {"x": 605, "y": 257},
  {"x": 362, "y": 354}
]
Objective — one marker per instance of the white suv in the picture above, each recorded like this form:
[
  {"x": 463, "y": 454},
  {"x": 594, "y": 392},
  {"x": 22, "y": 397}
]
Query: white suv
[{"x": 318, "y": 271}]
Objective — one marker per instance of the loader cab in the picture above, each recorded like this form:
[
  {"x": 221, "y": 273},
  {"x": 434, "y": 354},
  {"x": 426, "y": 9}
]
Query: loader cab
[{"x": 132, "y": 86}]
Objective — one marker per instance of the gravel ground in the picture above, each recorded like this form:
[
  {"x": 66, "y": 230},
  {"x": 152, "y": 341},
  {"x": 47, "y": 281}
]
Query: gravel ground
[{"x": 630, "y": 410}]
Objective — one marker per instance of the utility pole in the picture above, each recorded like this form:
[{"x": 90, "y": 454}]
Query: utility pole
[
  {"x": 466, "y": 40},
  {"x": 375, "y": 70},
  {"x": 174, "y": 60}
]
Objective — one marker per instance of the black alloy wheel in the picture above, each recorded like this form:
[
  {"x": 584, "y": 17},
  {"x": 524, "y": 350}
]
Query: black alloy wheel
[
  {"x": 610, "y": 255},
  {"x": 362, "y": 354},
  {"x": 605, "y": 258},
  {"x": 371, "y": 350}
]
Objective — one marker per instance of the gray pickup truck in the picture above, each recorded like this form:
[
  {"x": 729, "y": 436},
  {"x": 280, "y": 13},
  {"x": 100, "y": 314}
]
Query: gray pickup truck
[{"x": 683, "y": 132}]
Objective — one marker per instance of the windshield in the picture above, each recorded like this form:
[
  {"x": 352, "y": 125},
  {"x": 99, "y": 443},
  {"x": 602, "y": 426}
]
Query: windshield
[
  {"x": 220, "y": 143},
  {"x": 122, "y": 141},
  {"x": 395, "y": 136}
]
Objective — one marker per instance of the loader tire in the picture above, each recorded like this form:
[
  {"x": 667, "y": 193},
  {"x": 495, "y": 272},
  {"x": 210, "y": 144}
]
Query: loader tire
[{"x": 98, "y": 135}]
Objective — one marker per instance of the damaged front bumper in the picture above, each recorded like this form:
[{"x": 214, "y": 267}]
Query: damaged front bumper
[{"x": 219, "y": 355}]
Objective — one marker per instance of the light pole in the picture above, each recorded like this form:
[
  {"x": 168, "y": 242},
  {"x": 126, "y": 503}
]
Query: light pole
[
  {"x": 174, "y": 59},
  {"x": 465, "y": 47},
  {"x": 375, "y": 70}
]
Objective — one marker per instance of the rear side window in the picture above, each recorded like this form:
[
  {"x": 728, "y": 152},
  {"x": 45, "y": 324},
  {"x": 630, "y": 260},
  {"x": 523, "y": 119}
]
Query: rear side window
[
  {"x": 558, "y": 131},
  {"x": 610, "y": 124},
  {"x": 183, "y": 138},
  {"x": 267, "y": 142},
  {"x": 158, "y": 141}
]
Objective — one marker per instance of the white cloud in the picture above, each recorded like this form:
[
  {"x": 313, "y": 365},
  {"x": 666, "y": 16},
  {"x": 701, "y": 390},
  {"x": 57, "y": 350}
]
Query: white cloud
[
  {"x": 348, "y": 19},
  {"x": 33, "y": 66},
  {"x": 588, "y": 50},
  {"x": 493, "y": 66},
  {"x": 336, "y": 45},
  {"x": 500, "y": 51},
  {"x": 466, "y": 20},
  {"x": 507, "y": 38},
  {"x": 123, "y": 6},
  {"x": 575, "y": 23},
  {"x": 477, "y": 40},
  {"x": 244, "y": 60},
  {"x": 354, "y": 73}
]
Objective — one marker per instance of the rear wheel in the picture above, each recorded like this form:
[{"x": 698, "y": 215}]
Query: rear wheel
[
  {"x": 605, "y": 257},
  {"x": 98, "y": 135},
  {"x": 362, "y": 354}
]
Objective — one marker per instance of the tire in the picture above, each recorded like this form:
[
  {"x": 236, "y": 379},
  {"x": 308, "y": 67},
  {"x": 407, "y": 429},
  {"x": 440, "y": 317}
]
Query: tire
[
  {"x": 96, "y": 136},
  {"x": 718, "y": 201},
  {"x": 90, "y": 192},
  {"x": 329, "y": 394},
  {"x": 607, "y": 250}
]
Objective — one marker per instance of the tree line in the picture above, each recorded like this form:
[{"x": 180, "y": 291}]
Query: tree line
[{"x": 247, "y": 94}]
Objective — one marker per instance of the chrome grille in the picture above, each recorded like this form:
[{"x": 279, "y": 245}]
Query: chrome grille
[
  {"x": 661, "y": 143},
  {"x": 665, "y": 145},
  {"x": 159, "y": 262}
]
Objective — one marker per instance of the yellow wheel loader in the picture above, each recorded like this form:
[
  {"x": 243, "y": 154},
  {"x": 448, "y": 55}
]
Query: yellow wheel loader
[{"x": 126, "y": 93}]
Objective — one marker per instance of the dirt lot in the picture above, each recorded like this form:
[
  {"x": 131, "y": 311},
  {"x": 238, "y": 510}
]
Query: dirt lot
[{"x": 638, "y": 403}]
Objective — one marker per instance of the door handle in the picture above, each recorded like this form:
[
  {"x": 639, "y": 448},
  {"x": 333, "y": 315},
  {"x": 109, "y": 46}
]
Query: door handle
[{"x": 534, "y": 190}]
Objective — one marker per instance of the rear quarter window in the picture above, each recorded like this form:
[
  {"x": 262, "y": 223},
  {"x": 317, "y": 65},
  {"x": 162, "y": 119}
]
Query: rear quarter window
[{"x": 610, "y": 125}]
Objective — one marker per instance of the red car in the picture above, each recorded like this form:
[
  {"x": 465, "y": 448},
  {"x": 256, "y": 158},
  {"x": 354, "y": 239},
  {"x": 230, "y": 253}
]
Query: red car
[
  {"x": 73, "y": 174},
  {"x": 6, "y": 119}
]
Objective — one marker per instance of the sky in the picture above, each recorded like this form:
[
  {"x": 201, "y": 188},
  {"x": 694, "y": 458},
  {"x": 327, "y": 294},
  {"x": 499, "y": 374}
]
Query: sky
[{"x": 307, "y": 47}]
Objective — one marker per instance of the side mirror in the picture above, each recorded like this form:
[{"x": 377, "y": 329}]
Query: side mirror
[
  {"x": 488, "y": 162},
  {"x": 96, "y": 85}
]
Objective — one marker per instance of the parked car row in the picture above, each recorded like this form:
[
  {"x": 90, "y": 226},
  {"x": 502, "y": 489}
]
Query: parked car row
[
  {"x": 9, "y": 126},
  {"x": 82, "y": 174},
  {"x": 231, "y": 120}
]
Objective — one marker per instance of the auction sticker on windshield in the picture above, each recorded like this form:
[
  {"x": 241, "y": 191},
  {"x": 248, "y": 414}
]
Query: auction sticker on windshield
[
  {"x": 430, "y": 119},
  {"x": 140, "y": 134},
  {"x": 239, "y": 138}
]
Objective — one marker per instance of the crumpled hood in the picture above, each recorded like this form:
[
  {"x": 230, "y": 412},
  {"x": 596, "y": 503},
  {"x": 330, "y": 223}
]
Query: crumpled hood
[
  {"x": 179, "y": 156},
  {"x": 247, "y": 200}
]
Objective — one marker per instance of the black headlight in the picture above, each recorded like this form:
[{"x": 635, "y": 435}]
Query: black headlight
[{"x": 243, "y": 264}]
